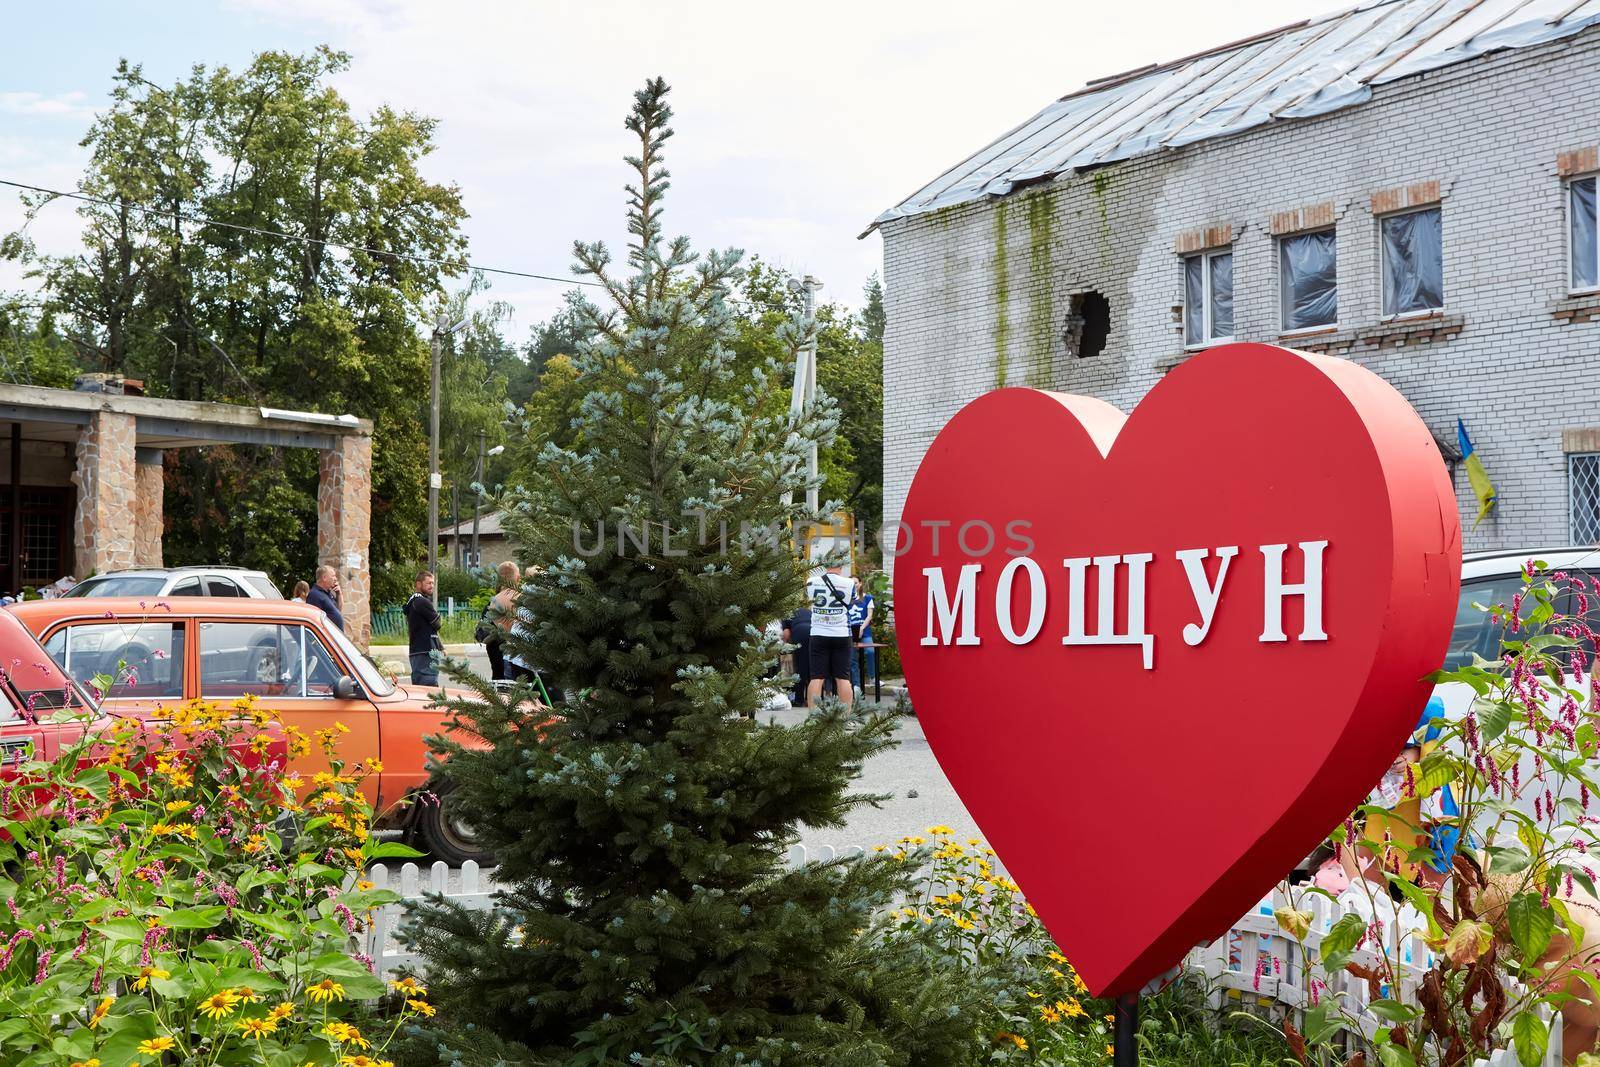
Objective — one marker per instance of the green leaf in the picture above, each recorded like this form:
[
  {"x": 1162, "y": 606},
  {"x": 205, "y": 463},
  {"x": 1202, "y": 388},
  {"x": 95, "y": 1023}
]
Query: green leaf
[
  {"x": 272, "y": 924},
  {"x": 1393, "y": 1011},
  {"x": 1339, "y": 942},
  {"x": 1532, "y": 925},
  {"x": 1494, "y": 718},
  {"x": 192, "y": 918},
  {"x": 1507, "y": 860},
  {"x": 1395, "y": 1056},
  {"x": 1530, "y": 1036},
  {"x": 384, "y": 850}
]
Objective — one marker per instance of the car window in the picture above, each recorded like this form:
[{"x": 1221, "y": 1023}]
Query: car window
[
  {"x": 190, "y": 586},
  {"x": 372, "y": 679},
  {"x": 223, "y": 587},
  {"x": 141, "y": 659},
  {"x": 264, "y": 586},
  {"x": 264, "y": 659},
  {"x": 119, "y": 585},
  {"x": 1474, "y": 632}
]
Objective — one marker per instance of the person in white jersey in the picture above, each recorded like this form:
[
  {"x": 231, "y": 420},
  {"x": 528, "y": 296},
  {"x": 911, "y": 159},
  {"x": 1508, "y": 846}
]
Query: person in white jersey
[{"x": 830, "y": 593}]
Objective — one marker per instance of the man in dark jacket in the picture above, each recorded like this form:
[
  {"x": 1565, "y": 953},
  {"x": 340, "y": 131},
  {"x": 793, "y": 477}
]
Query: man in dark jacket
[
  {"x": 422, "y": 630},
  {"x": 797, "y": 632},
  {"x": 325, "y": 595}
]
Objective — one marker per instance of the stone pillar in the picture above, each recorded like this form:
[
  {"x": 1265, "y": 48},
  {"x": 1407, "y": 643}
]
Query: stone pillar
[
  {"x": 148, "y": 507},
  {"x": 103, "y": 528},
  {"x": 344, "y": 528}
]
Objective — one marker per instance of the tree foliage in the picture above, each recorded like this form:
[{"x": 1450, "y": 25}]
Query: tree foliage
[
  {"x": 255, "y": 241},
  {"x": 649, "y": 915}
]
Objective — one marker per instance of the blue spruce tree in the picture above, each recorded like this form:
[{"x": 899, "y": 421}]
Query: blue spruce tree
[{"x": 649, "y": 915}]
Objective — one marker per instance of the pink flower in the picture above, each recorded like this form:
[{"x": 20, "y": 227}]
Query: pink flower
[{"x": 44, "y": 967}]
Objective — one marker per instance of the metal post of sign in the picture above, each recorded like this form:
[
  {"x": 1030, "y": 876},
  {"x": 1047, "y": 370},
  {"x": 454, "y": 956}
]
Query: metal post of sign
[{"x": 1125, "y": 1025}]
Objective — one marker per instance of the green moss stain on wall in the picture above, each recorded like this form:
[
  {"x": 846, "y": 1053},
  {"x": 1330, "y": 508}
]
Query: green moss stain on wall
[
  {"x": 1100, "y": 182},
  {"x": 1041, "y": 288},
  {"x": 1002, "y": 294}
]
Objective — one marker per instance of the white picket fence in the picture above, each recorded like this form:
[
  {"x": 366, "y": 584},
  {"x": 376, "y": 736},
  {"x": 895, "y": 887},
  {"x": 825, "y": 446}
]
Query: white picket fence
[
  {"x": 471, "y": 891},
  {"x": 1258, "y": 962}
]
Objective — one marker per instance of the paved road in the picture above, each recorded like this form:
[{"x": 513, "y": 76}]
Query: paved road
[{"x": 919, "y": 794}]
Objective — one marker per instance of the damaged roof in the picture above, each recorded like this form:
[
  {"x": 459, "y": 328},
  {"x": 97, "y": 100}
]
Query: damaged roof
[{"x": 1309, "y": 68}]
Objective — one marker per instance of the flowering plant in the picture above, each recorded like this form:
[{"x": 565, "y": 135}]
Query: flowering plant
[
  {"x": 1488, "y": 855},
  {"x": 177, "y": 896}
]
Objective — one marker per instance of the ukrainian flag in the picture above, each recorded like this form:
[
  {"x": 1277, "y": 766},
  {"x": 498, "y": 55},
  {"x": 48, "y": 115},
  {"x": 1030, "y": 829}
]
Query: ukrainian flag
[{"x": 1482, "y": 487}]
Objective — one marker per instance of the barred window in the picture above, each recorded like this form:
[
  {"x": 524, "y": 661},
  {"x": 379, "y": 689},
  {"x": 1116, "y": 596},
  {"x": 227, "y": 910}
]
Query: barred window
[{"x": 1583, "y": 496}]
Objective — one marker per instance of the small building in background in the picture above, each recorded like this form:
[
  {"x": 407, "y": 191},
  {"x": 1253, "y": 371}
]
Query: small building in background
[
  {"x": 494, "y": 548},
  {"x": 81, "y": 480}
]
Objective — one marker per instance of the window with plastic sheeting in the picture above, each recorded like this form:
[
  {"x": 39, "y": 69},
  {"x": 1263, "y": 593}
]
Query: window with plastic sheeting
[
  {"x": 1208, "y": 298},
  {"x": 1413, "y": 262},
  {"x": 1585, "y": 245},
  {"x": 1308, "y": 280}
]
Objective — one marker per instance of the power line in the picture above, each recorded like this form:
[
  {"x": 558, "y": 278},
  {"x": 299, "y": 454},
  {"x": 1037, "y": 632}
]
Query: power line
[{"x": 428, "y": 260}]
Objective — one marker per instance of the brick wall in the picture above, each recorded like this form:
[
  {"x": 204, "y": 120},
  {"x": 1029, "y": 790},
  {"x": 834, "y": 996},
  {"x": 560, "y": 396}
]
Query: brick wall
[{"x": 978, "y": 296}]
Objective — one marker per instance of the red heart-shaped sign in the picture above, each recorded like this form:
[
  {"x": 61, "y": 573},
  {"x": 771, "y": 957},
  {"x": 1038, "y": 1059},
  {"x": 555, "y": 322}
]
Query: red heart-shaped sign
[{"x": 1160, "y": 657}]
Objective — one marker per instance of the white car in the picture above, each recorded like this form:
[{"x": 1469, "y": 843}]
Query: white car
[
  {"x": 1490, "y": 578},
  {"x": 180, "y": 581}
]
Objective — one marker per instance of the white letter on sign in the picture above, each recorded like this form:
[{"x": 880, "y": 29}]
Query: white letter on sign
[
  {"x": 1106, "y": 603},
  {"x": 951, "y": 616},
  {"x": 1002, "y": 603},
  {"x": 1311, "y": 589},
  {"x": 1205, "y": 596}
]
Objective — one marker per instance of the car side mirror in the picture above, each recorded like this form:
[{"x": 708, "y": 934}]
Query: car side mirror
[{"x": 346, "y": 688}]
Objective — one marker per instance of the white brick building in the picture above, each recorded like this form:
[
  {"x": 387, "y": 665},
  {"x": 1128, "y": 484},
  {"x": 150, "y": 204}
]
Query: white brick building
[{"x": 1007, "y": 269}]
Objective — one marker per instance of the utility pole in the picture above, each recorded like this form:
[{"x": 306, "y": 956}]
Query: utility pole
[
  {"x": 441, "y": 330},
  {"x": 477, "y": 499},
  {"x": 804, "y": 393}
]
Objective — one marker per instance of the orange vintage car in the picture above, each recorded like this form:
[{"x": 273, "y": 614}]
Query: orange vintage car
[{"x": 293, "y": 661}]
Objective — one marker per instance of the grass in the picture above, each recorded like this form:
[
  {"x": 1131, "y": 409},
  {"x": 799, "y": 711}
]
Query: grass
[{"x": 457, "y": 630}]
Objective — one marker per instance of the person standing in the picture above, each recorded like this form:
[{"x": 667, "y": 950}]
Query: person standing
[
  {"x": 324, "y": 594},
  {"x": 797, "y": 632},
  {"x": 861, "y": 608},
  {"x": 422, "y": 631},
  {"x": 829, "y": 593},
  {"x": 500, "y": 615},
  {"x": 302, "y": 589}
]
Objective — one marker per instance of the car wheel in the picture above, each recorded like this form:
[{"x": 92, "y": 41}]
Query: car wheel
[{"x": 445, "y": 833}]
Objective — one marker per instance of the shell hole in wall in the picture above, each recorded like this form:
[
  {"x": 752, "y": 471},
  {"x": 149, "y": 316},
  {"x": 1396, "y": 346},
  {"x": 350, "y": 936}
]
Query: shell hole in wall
[{"x": 1088, "y": 324}]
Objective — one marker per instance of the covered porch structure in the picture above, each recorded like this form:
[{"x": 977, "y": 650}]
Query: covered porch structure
[{"x": 81, "y": 482}]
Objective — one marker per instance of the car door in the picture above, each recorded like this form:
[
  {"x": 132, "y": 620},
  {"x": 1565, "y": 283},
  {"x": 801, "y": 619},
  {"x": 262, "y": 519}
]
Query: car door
[
  {"x": 143, "y": 659},
  {"x": 288, "y": 668},
  {"x": 216, "y": 585}
]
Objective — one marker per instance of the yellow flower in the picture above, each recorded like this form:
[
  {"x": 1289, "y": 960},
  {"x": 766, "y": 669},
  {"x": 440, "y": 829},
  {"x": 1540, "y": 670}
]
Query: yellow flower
[
  {"x": 260, "y": 743},
  {"x": 409, "y": 986},
  {"x": 1111, "y": 1050},
  {"x": 1070, "y": 1009},
  {"x": 1049, "y": 1014},
  {"x": 363, "y": 885},
  {"x": 253, "y": 844},
  {"x": 1006, "y": 1035},
  {"x": 85, "y": 1063},
  {"x": 374, "y": 766},
  {"x": 282, "y": 1011},
  {"x": 421, "y": 1007},
  {"x": 345, "y": 1034},
  {"x": 943, "y": 830},
  {"x": 257, "y": 1028},
  {"x": 155, "y": 1046},
  {"x": 248, "y": 995},
  {"x": 326, "y": 990},
  {"x": 179, "y": 805},
  {"x": 100, "y": 1011},
  {"x": 219, "y": 1004},
  {"x": 363, "y": 1061}
]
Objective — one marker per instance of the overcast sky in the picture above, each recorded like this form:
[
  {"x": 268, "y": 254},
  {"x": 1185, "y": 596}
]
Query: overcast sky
[{"x": 796, "y": 124}]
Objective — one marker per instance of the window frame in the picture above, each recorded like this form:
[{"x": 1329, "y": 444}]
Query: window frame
[
  {"x": 1383, "y": 271},
  {"x": 1207, "y": 340},
  {"x": 1573, "y": 288},
  {"x": 178, "y": 627},
  {"x": 1299, "y": 331},
  {"x": 301, "y": 629},
  {"x": 1572, "y": 496}
]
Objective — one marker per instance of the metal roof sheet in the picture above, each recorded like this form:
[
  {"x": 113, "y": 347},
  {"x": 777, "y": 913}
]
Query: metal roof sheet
[{"x": 1310, "y": 68}]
